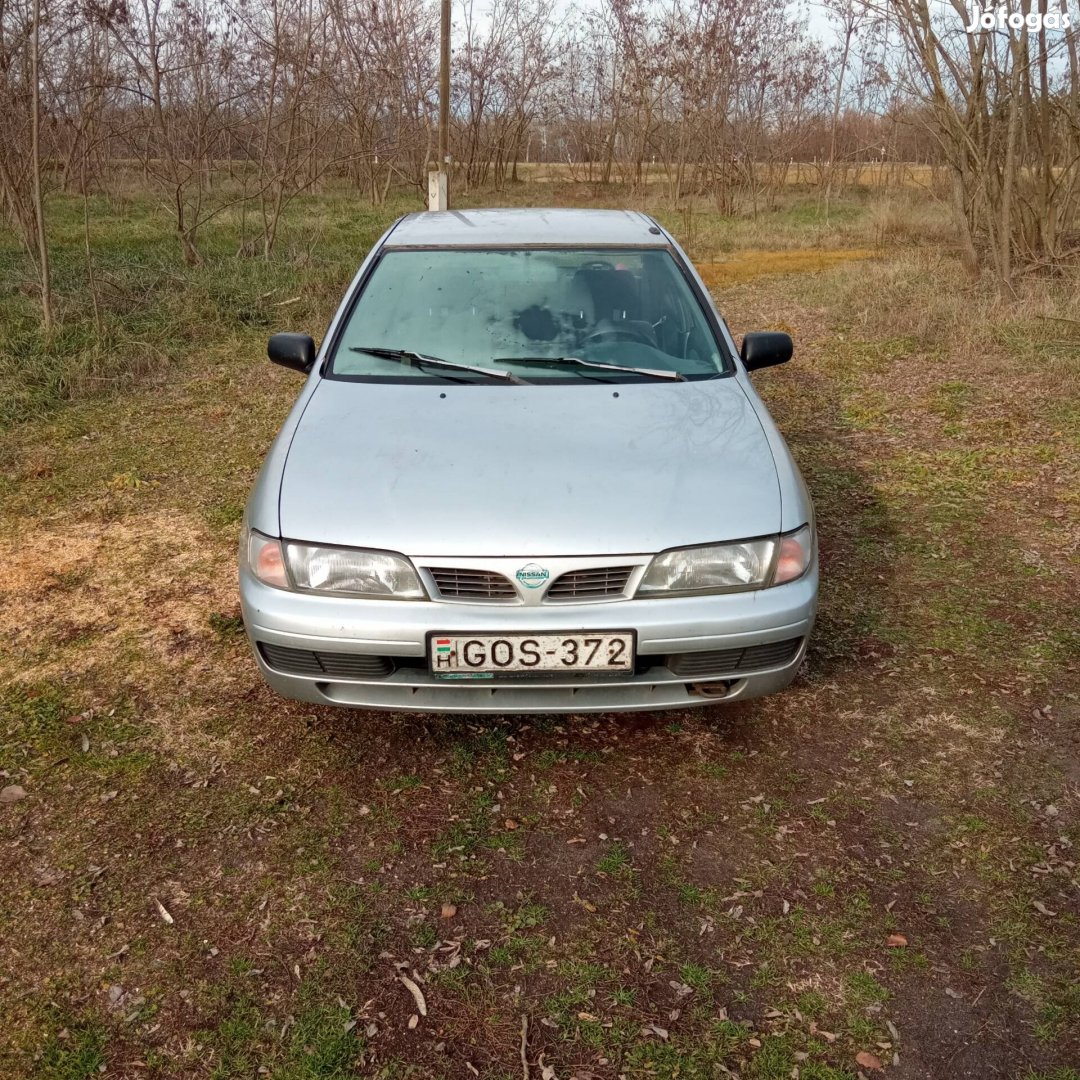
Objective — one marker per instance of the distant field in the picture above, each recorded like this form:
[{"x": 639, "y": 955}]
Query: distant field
[
  {"x": 874, "y": 870},
  {"x": 870, "y": 174}
]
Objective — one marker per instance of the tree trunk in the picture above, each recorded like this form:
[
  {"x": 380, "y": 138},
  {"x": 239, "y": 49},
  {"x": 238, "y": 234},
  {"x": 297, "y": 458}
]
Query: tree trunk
[{"x": 35, "y": 153}]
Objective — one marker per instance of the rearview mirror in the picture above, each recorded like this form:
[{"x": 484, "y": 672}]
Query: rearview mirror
[
  {"x": 296, "y": 351},
  {"x": 766, "y": 349}
]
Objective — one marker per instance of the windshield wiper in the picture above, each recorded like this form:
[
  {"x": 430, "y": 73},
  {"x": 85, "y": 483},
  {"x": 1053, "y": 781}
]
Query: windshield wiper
[
  {"x": 422, "y": 359},
  {"x": 577, "y": 361}
]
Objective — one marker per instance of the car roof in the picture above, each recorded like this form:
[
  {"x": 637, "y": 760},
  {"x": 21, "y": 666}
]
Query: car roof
[{"x": 527, "y": 227}]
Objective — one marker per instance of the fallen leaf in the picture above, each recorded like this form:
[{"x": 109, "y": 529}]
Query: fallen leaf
[
  {"x": 896, "y": 941},
  {"x": 864, "y": 1059},
  {"x": 1042, "y": 909},
  {"x": 510, "y": 823},
  {"x": 449, "y": 911},
  {"x": 12, "y": 793},
  {"x": 164, "y": 912},
  {"x": 413, "y": 989}
]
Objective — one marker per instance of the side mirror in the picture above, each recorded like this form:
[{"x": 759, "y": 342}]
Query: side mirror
[
  {"x": 766, "y": 349},
  {"x": 296, "y": 351}
]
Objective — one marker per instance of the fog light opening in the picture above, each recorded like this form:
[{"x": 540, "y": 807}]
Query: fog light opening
[{"x": 717, "y": 688}]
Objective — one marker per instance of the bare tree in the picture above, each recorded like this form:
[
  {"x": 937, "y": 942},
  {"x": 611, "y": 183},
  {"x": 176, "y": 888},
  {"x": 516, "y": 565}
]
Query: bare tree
[
  {"x": 384, "y": 90},
  {"x": 35, "y": 170},
  {"x": 850, "y": 16},
  {"x": 175, "y": 56},
  {"x": 1010, "y": 138},
  {"x": 22, "y": 194}
]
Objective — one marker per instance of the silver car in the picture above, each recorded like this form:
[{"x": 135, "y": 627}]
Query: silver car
[{"x": 528, "y": 473}]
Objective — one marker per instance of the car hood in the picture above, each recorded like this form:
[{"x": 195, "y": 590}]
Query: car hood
[{"x": 557, "y": 469}]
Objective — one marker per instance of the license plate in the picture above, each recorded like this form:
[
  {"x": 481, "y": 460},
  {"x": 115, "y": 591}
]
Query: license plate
[{"x": 482, "y": 656}]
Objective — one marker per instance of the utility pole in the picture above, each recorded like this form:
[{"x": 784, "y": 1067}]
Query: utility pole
[{"x": 438, "y": 180}]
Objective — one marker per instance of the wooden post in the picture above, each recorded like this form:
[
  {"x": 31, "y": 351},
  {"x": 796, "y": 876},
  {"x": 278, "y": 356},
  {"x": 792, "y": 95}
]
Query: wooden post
[{"x": 437, "y": 195}]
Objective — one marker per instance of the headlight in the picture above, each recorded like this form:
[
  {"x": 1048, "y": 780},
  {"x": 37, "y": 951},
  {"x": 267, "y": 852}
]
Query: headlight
[
  {"x": 718, "y": 568},
  {"x": 317, "y": 568},
  {"x": 352, "y": 572},
  {"x": 749, "y": 564}
]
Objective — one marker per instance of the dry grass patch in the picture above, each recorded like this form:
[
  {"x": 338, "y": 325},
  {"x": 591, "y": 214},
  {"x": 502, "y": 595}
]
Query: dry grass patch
[
  {"x": 74, "y": 598},
  {"x": 747, "y": 265}
]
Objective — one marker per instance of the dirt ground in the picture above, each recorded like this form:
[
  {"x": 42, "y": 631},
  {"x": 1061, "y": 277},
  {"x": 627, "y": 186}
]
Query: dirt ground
[{"x": 874, "y": 872}]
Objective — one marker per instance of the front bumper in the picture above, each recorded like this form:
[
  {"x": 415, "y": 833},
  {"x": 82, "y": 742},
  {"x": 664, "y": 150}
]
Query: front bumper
[{"x": 398, "y": 630}]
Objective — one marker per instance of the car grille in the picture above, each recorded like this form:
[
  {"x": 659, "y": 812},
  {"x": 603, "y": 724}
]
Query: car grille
[
  {"x": 325, "y": 664},
  {"x": 457, "y": 583},
  {"x": 591, "y": 583},
  {"x": 721, "y": 662}
]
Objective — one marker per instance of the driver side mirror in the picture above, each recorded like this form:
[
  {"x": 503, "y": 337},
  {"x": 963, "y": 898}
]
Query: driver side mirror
[
  {"x": 296, "y": 351},
  {"x": 766, "y": 349}
]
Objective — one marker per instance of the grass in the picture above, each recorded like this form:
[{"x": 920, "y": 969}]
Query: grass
[
  {"x": 733, "y": 878},
  {"x": 148, "y": 312},
  {"x": 74, "y": 1052}
]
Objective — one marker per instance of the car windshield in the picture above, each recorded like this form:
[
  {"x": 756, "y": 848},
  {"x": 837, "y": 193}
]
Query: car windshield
[{"x": 499, "y": 309}]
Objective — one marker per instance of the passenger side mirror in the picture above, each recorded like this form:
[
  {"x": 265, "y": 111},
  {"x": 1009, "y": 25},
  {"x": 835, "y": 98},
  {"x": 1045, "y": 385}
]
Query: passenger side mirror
[
  {"x": 766, "y": 349},
  {"x": 296, "y": 351}
]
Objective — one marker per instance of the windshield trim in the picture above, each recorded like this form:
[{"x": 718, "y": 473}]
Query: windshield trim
[
  {"x": 511, "y": 246},
  {"x": 326, "y": 369}
]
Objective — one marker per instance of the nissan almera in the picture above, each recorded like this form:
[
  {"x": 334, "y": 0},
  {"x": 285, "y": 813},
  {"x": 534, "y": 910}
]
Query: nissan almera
[{"x": 528, "y": 472}]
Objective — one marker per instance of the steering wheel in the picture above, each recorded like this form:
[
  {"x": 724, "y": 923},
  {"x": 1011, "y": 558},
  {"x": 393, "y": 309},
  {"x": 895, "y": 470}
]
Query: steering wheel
[{"x": 616, "y": 333}]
